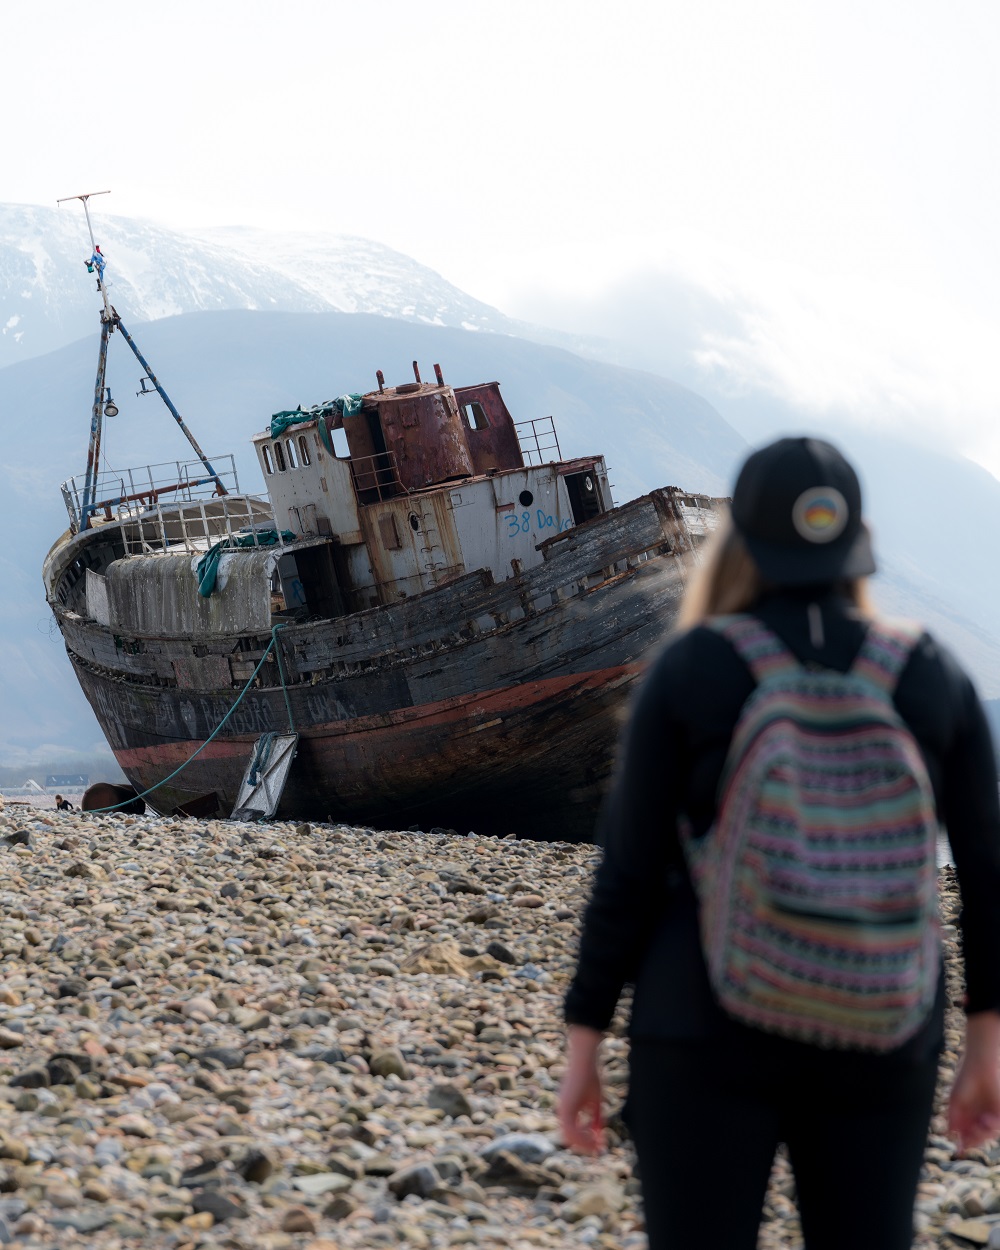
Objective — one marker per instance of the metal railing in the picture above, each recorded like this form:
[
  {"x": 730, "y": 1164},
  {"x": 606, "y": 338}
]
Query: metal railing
[
  {"x": 376, "y": 475},
  {"x": 141, "y": 489},
  {"x": 538, "y": 439},
  {"x": 194, "y": 527},
  {"x": 170, "y": 507}
]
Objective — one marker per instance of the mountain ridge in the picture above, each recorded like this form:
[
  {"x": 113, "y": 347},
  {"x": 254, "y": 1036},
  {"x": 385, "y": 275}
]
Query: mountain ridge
[{"x": 47, "y": 300}]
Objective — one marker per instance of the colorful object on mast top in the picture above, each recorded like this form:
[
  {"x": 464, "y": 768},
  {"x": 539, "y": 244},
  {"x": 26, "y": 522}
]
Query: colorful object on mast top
[{"x": 97, "y": 262}]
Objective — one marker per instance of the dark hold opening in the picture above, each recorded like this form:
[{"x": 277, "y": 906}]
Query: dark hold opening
[
  {"x": 584, "y": 497},
  {"x": 321, "y": 585}
]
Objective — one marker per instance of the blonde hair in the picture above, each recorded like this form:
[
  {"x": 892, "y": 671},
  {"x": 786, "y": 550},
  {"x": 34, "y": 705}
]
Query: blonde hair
[{"x": 727, "y": 579}]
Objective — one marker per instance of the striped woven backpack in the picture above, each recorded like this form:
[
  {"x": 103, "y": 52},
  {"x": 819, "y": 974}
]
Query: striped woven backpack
[{"x": 817, "y": 882}]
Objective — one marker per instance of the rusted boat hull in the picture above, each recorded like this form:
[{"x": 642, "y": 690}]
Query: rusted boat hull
[
  {"x": 530, "y": 759},
  {"x": 437, "y": 611},
  {"x": 483, "y": 706}
]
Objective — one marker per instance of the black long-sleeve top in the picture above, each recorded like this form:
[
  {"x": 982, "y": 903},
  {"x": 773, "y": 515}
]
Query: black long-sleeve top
[{"x": 641, "y": 922}]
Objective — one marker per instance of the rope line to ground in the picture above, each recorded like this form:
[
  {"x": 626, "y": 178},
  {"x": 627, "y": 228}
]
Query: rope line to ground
[{"x": 271, "y": 646}]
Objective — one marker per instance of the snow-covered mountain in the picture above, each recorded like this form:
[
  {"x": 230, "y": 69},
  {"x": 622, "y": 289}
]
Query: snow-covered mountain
[
  {"x": 350, "y": 274},
  {"x": 47, "y": 298}
]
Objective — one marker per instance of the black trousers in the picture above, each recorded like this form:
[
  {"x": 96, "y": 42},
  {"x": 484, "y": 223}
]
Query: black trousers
[{"x": 707, "y": 1116}]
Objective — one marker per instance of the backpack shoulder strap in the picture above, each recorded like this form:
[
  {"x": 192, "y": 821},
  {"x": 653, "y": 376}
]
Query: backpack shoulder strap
[
  {"x": 887, "y": 646},
  {"x": 761, "y": 650}
]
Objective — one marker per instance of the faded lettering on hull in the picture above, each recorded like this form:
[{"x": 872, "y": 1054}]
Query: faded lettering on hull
[{"x": 456, "y": 756}]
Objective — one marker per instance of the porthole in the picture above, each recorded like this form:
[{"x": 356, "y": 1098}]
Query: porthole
[
  {"x": 526, "y": 499},
  {"x": 414, "y": 522}
]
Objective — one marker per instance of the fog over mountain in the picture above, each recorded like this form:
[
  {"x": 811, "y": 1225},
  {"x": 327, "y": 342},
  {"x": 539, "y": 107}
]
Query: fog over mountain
[
  {"x": 829, "y": 348},
  {"x": 936, "y": 514},
  {"x": 238, "y": 324}
]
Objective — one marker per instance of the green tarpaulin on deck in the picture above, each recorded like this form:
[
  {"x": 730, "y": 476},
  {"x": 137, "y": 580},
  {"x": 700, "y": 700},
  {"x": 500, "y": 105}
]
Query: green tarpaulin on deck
[
  {"x": 208, "y": 566},
  {"x": 343, "y": 405}
]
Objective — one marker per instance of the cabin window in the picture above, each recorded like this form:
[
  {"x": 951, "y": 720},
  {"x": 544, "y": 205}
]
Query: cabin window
[
  {"x": 293, "y": 460},
  {"x": 341, "y": 449},
  {"x": 526, "y": 499},
  {"x": 390, "y": 535},
  {"x": 475, "y": 416},
  {"x": 304, "y": 450},
  {"x": 266, "y": 455},
  {"x": 279, "y": 458}
]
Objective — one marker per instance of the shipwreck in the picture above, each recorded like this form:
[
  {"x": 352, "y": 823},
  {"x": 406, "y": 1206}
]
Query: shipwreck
[{"x": 429, "y": 618}]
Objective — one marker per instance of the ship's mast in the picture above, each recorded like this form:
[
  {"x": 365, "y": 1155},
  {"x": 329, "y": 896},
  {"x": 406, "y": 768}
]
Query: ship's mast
[
  {"x": 110, "y": 321},
  {"x": 96, "y": 260},
  {"x": 97, "y": 413}
]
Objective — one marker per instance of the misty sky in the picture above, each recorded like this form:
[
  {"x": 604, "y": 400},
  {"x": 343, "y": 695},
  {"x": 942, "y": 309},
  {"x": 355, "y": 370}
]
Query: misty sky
[{"x": 793, "y": 196}]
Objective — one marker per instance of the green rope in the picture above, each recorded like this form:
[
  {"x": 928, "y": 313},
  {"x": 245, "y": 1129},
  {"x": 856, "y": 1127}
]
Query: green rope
[
  {"x": 281, "y": 674},
  {"x": 265, "y": 745},
  {"x": 267, "y": 651}
]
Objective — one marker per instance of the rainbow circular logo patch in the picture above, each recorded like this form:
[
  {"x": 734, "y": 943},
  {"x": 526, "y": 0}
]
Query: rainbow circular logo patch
[{"x": 820, "y": 514}]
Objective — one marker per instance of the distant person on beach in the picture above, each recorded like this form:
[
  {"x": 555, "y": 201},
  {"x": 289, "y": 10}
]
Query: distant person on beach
[
  {"x": 63, "y": 805},
  {"x": 771, "y": 893}
]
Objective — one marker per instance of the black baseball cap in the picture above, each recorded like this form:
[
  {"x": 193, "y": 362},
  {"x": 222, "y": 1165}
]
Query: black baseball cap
[{"x": 797, "y": 506}]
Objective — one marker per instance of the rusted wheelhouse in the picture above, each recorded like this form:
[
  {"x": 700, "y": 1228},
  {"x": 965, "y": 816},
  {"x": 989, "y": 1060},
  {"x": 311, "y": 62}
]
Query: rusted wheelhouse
[{"x": 418, "y": 484}]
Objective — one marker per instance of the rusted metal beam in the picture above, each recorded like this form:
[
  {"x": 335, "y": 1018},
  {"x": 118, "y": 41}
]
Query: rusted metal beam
[{"x": 152, "y": 495}]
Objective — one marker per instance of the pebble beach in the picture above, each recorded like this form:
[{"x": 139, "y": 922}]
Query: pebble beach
[{"x": 260, "y": 1036}]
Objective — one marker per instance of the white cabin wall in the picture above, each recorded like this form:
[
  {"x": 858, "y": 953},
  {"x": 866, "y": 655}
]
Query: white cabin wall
[
  {"x": 412, "y": 544},
  {"x": 310, "y": 494},
  {"x": 495, "y": 527},
  {"x": 478, "y": 523},
  {"x": 604, "y": 486},
  {"x": 359, "y": 570}
]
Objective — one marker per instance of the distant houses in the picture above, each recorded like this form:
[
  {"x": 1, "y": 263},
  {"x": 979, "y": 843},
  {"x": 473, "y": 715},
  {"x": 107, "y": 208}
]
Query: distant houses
[{"x": 44, "y": 795}]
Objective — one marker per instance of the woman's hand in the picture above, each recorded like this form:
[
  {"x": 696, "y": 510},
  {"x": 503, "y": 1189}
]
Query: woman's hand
[
  {"x": 974, "y": 1106},
  {"x": 580, "y": 1116}
]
